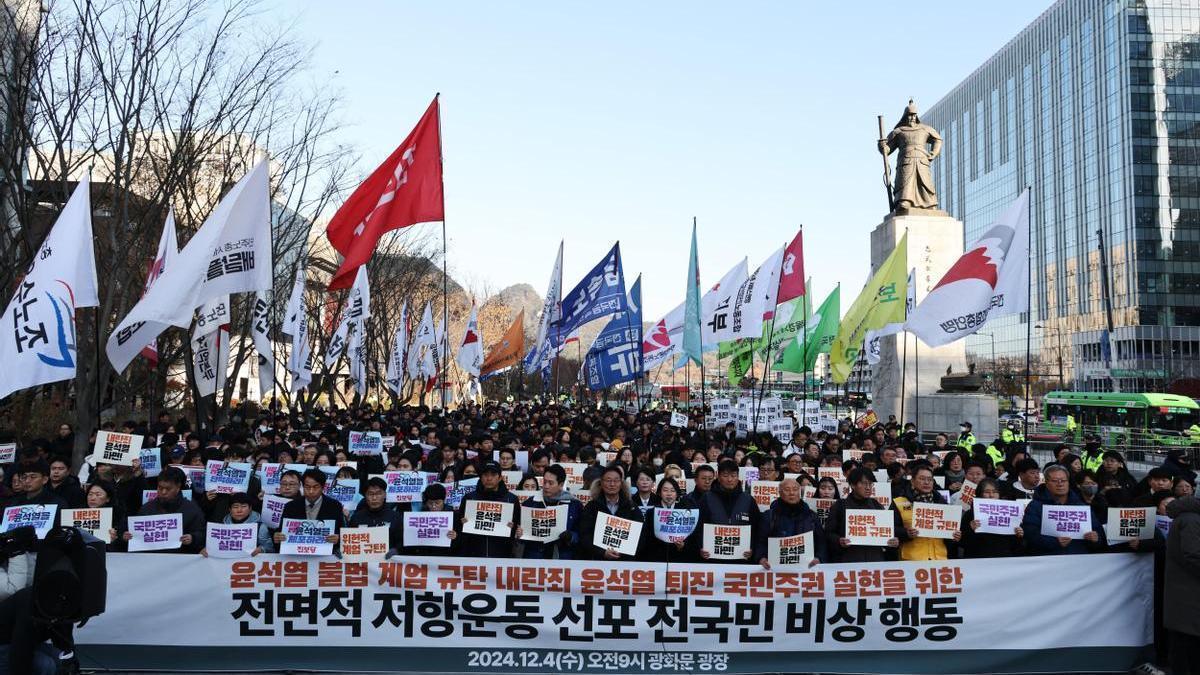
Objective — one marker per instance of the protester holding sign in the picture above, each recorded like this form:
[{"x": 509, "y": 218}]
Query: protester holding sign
[
  {"x": 553, "y": 494},
  {"x": 374, "y": 511},
  {"x": 788, "y": 516},
  {"x": 101, "y": 494},
  {"x": 980, "y": 541},
  {"x": 1056, "y": 491},
  {"x": 915, "y": 544},
  {"x": 490, "y": 489},
  {"x": 727, "y": 503},
  {"x": 611, "y": 497},
  {"x": 666, "y": 499},
  {"x": 839, "y": 545},
  {"x": 241, "y": 513},
  {"x": 169, "y": 500},
  {"x": 312, "y": 505}
]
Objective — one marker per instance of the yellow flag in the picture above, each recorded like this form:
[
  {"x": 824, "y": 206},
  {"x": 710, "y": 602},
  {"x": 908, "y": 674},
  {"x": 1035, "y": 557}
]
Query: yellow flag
[{"x": 880, "y": 303}]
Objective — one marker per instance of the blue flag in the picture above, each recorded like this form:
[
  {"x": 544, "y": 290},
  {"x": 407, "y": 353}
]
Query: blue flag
[
  {"x": 616, "y": 355},
  {"x": 601, "y": 293}
]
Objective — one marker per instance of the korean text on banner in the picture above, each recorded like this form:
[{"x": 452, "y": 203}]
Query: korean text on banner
[
  {"x": 273, "y": 510},
  {"x": 114, "y": 448},
  {"x": 1070, "y": 522},
  {"x": 404, "y": 487},
  {"x": 1130, "y": 524},
  {"x": 675, "y": 525},
  {"x": 794, "y": 551},
  {"x": 235, "y": 540},
  {"x": 938, "y": 521},
  {"x": 490, "y": 519},
  {"x": 428, "y": 528},
  {"x": 726, "y": 542},
  {"x": 306, "y": 537},
  {"x": 543, "y": 525},
  {"x": 869, "y": 527},
  {"x": 38, "y": 516},
  {"x": 997, "y": 516},
  {"x": 764, "y": 492},
  {"x": 617, "y": 534},
  {"x": 366, "y": 443},
  {"x": 362, "y": 544},
  {"x": 155, "y": 533},
  {"x": 8, "y": 453},
  {"x": 96, "y": 522},
  {"x": 227, "y": 479}
]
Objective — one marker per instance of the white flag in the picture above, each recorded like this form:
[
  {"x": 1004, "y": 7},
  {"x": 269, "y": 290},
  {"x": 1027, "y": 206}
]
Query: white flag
[
  {"x": 337, "y": 343},
  {"x": 990, "y": 280},
  {"x": 551, "y": 311},
  {"x": 293, "y": 314},
  {"x": 260, "y": 329},
  {"x": 39, "y": 343},
  {"x": 470, "y": 353},
  {"x": 395, "y": 370},
  {"x": 716, "y": 307},
  {"x": 420, "y": 365},
  {"x": 358, "y": 305},
  {"x": 300, "y": 359},
  {"x": 210, "y": 361},
  {"x": 436, "y": 351},
  {"x": 230, "y": 253},
  {"x": 211, "y": 316},
  {"x": 358, "y": 354},
  {"x": 168, "y": 248},
  {"x": 749, "y": 302}
]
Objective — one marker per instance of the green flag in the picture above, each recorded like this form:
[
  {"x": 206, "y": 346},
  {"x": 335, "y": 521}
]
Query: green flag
[
  {"x": 692, "y": 347},
  {"x": 880, "y": 303},
  {"x": 742, "y": 361},
  {"x": 800, "y": 355}
]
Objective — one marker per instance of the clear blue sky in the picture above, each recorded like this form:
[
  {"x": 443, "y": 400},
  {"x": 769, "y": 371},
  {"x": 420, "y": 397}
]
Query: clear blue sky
[{"x": 596, "y": 122}]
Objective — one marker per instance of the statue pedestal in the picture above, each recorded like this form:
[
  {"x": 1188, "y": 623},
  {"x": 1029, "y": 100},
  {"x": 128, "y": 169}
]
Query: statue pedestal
[{"x": 907, "y": 370}]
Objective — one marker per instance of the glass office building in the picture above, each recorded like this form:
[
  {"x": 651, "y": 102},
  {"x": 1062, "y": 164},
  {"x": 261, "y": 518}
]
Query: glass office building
[{"x": 1096, "y": 107}]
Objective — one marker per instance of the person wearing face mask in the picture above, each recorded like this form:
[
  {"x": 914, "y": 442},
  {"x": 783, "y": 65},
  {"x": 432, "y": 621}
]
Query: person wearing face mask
[
  {"x": 966, "y": 439},
  {"x": 1178, "y": 463},
  {"x": 987, "y": 544}
]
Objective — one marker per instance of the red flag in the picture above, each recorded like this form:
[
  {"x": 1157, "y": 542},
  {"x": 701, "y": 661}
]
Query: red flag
[
  {"x": 406, "y": 189},
  {"x": 791, "y": 281}
]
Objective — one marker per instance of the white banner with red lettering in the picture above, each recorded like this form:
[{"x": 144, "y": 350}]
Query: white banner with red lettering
[{"x": 454, "y": 614}]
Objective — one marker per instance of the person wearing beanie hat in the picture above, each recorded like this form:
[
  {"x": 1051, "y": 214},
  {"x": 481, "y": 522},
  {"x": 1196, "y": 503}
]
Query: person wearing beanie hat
[{"x": 489, "y": 489}]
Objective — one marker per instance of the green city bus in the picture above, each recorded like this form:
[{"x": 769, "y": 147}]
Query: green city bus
[{"x": 1122, "y": 419}]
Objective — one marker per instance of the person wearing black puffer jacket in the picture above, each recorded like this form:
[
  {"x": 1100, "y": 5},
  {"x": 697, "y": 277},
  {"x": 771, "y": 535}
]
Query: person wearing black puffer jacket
[
  {"x": 490, "y": 489},
  {"x": 726, "y": 503},
  {"x": 1181, "y": 594},
  {"x": 788, "y": 517}
]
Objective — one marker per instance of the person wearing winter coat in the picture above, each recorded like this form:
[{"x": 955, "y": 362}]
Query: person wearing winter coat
[
  {"x": 374, "y": 511},
  {"x": 789, "y": 516},
  {"x": 612, "y": 497},
  {"x": 490, "y": 489},
  {"x": 554, "y": 480},
  {"x": 1181, "y": 597},
  {"x": 170, "y": 500},
  {"x": 652, "y": 549},
  {"x": 987, "y": 544},
  {"x": 1056, "y": 491},
  {"x": 839, "y": 547},
  {"x": 240, "y": 512},
  {"x": 727, "y": 503},
  {"x": 912, "y": 546}
]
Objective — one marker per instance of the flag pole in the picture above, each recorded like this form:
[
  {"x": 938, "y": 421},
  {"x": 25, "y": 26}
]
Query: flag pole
[
  {"x": 445, "y": 276},
  {"x": 762, "y": 386},
  {"x": 1028, "y": 305}
]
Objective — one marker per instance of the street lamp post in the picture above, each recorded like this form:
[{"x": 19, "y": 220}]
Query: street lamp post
[{"x": 1062, "y": 385}]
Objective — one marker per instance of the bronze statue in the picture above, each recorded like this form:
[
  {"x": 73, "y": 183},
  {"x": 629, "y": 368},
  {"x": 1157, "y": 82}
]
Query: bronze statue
[{"x": 916, "y": 146}]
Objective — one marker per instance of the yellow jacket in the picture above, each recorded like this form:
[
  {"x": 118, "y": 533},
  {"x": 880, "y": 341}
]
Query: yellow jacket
[{"x": 920, "y": 548}]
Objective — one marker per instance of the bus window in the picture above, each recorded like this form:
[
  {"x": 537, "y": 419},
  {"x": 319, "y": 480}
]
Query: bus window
[{"x": 1171, "y": 419}]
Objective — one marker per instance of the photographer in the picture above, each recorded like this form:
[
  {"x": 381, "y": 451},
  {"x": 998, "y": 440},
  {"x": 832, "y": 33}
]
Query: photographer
[{"x": 23, "y": 647}]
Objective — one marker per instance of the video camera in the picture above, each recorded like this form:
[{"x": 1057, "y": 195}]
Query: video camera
[{"x": 70, "y": 582}]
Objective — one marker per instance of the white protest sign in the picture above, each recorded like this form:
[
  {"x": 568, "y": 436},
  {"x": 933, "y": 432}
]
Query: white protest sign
[
  {"x": 231, "y": 541},
  {"x": 522, "y": 459},
  {"x": 1071, "y": 522},
  {"x": 388, "y": 442},
  {"x": 543, "y": 524},
  {"x": 966, "y": 494},
  {"x": 155, "y": 533},
  {"x": 1130, "y": 524},
  {"x": 679, "y": 420},
  {"x": 869, "y": 527},
  {"x": 96, "y": 522},
  {"x": 997, "y": 516},
  {"x": 428, "y": 528},
  {"x": 512, "y": 479},
  {"x": 489, "y": 519},
  {"x": 38, "y": 516},
  {"x": 8, "y": 453},
  {"x": 1163, "y": 525},
  {"x": 150, "y": 460},
  {"x": 114, "y": 448},
  {"x": 675, "y": 525},
  {"x": 726, "y": 542},
  {"x": 269, "y": 476},
  {"x": 306, "y": 537},
  {"x": 937, "y": 521},
  {"x": 404, "y": 487},
  {"x": 618, "y": 534},
  {"x": 764, "y": 492},
  {"x": 747, "y": 474},
  {"x": 574, "y": 471},
  {"x": 365, "y": 443},
  {"x": 881, "y": 492},
  {"x": 456, "y": 491},
  {"x": 364, "y": 544},
  {"x": 272, "y": 510},
  {"x": 781, "y": 429},
  {"x": 226, "y": 479},
  {"x": 794, "y": 551},
  {"x": 345, "y": 492}
]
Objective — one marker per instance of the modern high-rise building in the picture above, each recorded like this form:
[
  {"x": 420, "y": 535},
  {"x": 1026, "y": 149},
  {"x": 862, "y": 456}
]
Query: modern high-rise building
[{"x": 1096, "y": 107}]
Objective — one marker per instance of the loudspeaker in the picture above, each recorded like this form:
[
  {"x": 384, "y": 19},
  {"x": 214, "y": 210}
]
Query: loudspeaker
[{"x": 70, "y": 581}]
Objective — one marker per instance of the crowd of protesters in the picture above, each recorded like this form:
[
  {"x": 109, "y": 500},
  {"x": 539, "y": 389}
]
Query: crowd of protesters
[{"x": 635, "y": 463}]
